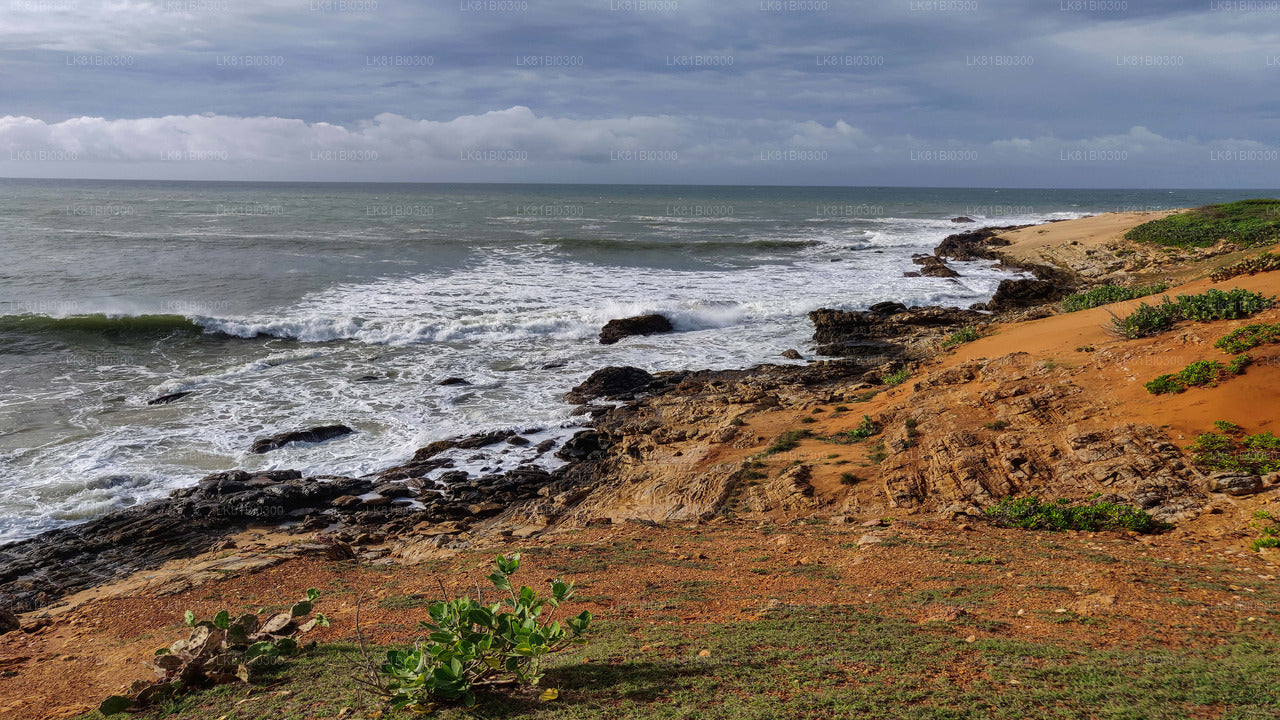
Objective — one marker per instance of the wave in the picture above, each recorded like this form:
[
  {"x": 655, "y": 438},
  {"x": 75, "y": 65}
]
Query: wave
[
  {"x": 697, "y": 246},
  {"x": 100, "y": 324}
]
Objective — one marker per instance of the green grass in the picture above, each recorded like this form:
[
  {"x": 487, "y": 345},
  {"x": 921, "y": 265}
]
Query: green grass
[
  {"x": 1031, "y": 513},
  {"x": 789, "y": 440},
  {"x": 1107, "y": 294},
  {"x": 1247, "y": 222},
  {"x": 1210, "y": 305},
  {"x": 895, "y": 378},
  {"x": 820, "y": 661}
]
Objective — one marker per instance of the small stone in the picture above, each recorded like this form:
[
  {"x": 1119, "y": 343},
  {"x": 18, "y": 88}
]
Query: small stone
[
  {"x": 971, "y": 638},
  {"x": 873, "y": 523},
  {"x": 704, "y": 653}
]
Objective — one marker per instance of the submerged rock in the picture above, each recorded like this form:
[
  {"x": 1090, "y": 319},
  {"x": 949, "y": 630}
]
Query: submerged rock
[
  {"x": 311, "y": 435},
  {"x": 166, "y": 399},
  {"x": 962, "y": 219},
  {"x": 615, "y": 330},
  {"x": 454, "y": 381}
]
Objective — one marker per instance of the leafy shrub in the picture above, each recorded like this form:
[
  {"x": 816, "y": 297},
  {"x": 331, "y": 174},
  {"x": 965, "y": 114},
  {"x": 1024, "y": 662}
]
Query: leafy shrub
[
  {"x": 1248, "y": 338},
  {"x": 896, "y": 378},
  {"x": 1147, "y": 319},
  {"x": 1269, "y": 528},
  {"x": 1165, "y": 384},
  {"x": 1227, "y": 427},
  {"x": 848, "y": 478},
  {"x": 1107, "y": 294},
  {"x": 1258, "y": 454},
  {"x": 1031, "y": 513},
  {"x": 1214, "y": 304},
  {"x": 1247, "y": 222},
  {"x": 865, "y": 429},
  {"x": 221, "y": 650},
  {"x": 1239, "y": 363},
  {"x": 960, "y": 337},
  {"x": 1266, "y": 262},
  {"x": 1210, "y": 305},
  {"x": 473, "y": 645},
  {"x": 1200, "y": 372}
]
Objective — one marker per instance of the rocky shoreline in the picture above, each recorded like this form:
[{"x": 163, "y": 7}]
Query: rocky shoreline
[{"x": 647, "y": 455}]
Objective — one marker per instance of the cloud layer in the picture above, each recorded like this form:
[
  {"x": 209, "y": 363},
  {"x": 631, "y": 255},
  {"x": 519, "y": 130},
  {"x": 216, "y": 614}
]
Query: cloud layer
[{"x": 964, "y": 92}]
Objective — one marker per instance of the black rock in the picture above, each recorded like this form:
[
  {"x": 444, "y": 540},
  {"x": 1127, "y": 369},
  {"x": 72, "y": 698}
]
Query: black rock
[
  {"x": 517, "y": 440},
  {"x": 166, "y": 399},
  {"x": 609, "y": 382},
  {"x": 454, "y": 381},
  {"x": 311, "y": 435},
  {"x": 1022, "y": 293},
  {"x": 8, "y": 621},
  {"x": 792, "y": 354},
  {"x": 583, "y": 445},
  {"x": 615, "y": 330},
  {"x": 962, "y": 219}
]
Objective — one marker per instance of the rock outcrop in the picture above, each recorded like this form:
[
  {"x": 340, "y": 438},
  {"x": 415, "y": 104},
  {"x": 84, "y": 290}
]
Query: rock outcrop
[
  {"x": 615, "y": 330},
  {"x": 610, "y": 382},
  {"x": 310, "y": 435},
  {"x": 885, "y": 331}
]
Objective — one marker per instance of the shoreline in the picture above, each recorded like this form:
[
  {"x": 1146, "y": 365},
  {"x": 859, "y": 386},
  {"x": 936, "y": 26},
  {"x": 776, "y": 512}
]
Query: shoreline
[
  {"x": 762, "y": 460},
  {"x": 191, "y": 520}
]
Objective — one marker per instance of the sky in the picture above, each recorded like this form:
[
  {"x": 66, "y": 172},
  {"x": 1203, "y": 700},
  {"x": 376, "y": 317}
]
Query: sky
[{"x": 985, "y": 93}]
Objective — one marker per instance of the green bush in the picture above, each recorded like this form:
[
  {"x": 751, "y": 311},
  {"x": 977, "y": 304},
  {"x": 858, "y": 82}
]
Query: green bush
[
  {"x": 472, "y": 644},
  {"x": 1239, "y": 363},
  {"x": 1258, "y": 454},
  {"x": 866, "y": 429},
  {"x": 1031, "y": 513},
  {"x": 896, "y": 378},
  {"x": 960, "y": 337},
  {"x": 1210, "y": 305},
  {"x": 1247, "y": 222},
  {"x": 1165, "y": 384},
  {"x": 1107, "y": 294},
  {"x": 1200, "y": 372},
  {"x": 1214, "y": 304},
  {"x": 1248, "y": 338},
  {"x": 1266, "y": 262}
]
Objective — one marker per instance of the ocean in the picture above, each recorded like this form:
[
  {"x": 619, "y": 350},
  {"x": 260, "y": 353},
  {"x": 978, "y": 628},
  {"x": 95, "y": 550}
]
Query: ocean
[{"x": 284, "y": 306}]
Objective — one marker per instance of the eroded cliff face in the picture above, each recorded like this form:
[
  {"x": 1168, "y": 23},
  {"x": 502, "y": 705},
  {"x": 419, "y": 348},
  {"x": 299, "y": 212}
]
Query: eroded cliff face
[
  {"x": 988, "y": 429},
  {"x": 959, "y": 439}
]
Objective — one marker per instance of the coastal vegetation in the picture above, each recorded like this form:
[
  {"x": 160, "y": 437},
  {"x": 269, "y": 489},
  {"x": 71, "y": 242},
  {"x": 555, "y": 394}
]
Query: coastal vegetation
[
  {"x": 1031, "y": 513},
  {"x": 472, "y": 644},
  {"x": 1107, "y": 294},
  {"x": 1246, "y": 222},
  {"x": 1266, "y": 262},
  {"x": 960, "y": 337},
  {"x": 1208, "y": 306},
  {"x": 1232, "y": 450}
]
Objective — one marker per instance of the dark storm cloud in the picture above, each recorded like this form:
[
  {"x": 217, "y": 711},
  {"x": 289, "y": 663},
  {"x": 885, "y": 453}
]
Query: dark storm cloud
[{"x": 796, "y": 91}]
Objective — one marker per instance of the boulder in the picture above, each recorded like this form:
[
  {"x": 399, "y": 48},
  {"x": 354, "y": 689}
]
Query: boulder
[
  {"x": 1235, "y": 483},
  {"x": 792, "y": 354},
  {"x": 310, "y": 435},
  {"x": 615, "y": 330},
  {"x": 962, "y": 219},
  {"x": 609, "y": 382},
  {"x": 454, "y": 381},
  {"x": 1023, "y": 293},
  {"x": 8, "y": 621}
]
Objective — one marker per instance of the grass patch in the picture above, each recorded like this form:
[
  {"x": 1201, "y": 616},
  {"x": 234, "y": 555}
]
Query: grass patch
[
  {"x": 1107, "y": 294},
  {"x": 789, "y": 440},
  {"x": 1210, "y": 305},
  {"x": 960, "y": 337},
  {"x": 1031, "y": 513},
  {"x": 1246, "y": 222}
]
